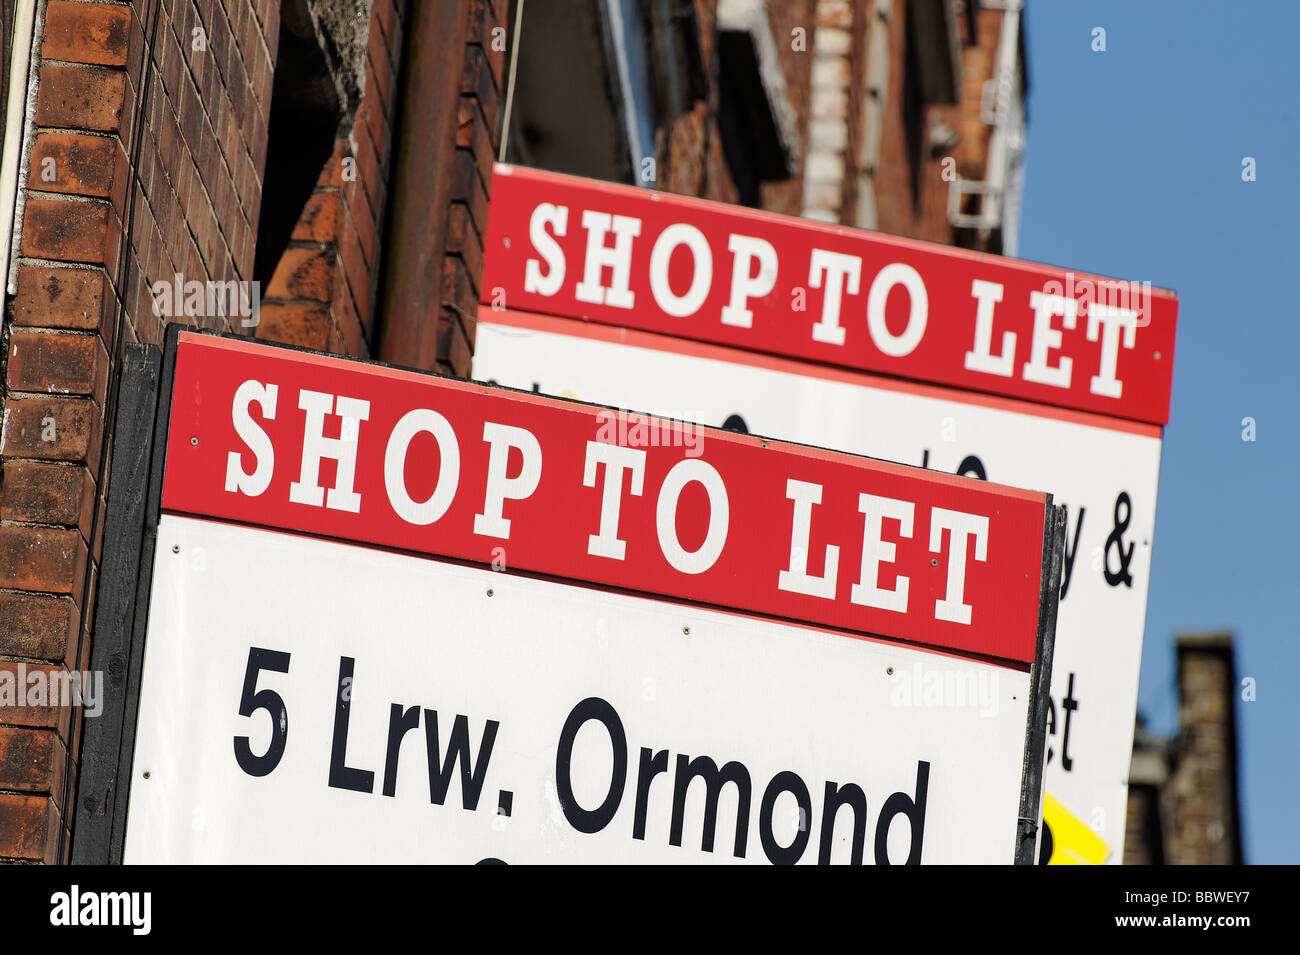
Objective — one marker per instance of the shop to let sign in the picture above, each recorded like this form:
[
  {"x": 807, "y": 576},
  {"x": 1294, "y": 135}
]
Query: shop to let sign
[
  {"x": 938, "y": 357},
  {"x": 399, "y": 617}
]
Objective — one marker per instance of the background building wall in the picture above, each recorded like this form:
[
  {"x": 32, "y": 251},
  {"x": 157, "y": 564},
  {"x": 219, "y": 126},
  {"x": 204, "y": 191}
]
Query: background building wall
[
  {"x": 1183, "y": 806},
  {"x": 886, "y": 103}
]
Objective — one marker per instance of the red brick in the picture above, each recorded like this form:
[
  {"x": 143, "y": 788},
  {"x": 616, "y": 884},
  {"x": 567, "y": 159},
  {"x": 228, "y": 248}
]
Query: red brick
[
  {"x": 385, "y": 12},
  {"x": 60, "y": 297},
  {"x": 332, "y": 173},
  {"x": 53, "y": 713},
  {"x": 319, "y": 221},
  {"x": 80, "y": 97},
  {"x": 371, "y": 114},
  {"x": 38, "y": 626},
  {"x": 352, "y": 337},
  {"x": 379, "y": 68},
  {"x": 358, "y": 275},
  {"x": 32, "y": 761},
  {"x": 38, "y": 492},
  {"x": 361, "y": 218},
  {"x": 63, "y": 229},
  {"x": 303, "y": 274},
  {"x": 307, "y": 326},
  {"x": 453, "y": 347},
  {"x": 86, "y": 33},
  {"x": 82, "y": 165},
  {"x": 42, "y": 559},
  {"x": 57, "y": 362},
  {"x": 369, "y": 171},
  {"x": 463, "y": 240},
  {"x": 29, "y": 828},
  {"x": 458, "y": 294},
  {"x": 51, "y": 429},
  {"x": 469, "y": 187},
  {"x": 481, "y": 24},
  {"x": 476, "y": 80}
]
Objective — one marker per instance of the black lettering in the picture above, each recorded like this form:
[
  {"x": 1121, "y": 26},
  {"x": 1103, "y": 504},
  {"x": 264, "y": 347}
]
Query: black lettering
[
  {"x": 1070, "y": 553},
  {"x": 252, "y": 700},
  {"x": 901, "y": 804},
  {"x": 784, "y": 782},
  {"x": 1069, "y": 705},
  {"x": 591, "y": 820},
  {"x": 1051, "y": 728},
  {"x": 1115, "y": 540},
  {"x": 471, "y": 781},
  {"x": 836, "y": 798},
  {"x": 343, "y": 776},
  {"x": 735, "y": 423},
  {"x": 972, "y": 466},
  {"x": 651, "y": 766},
  {"x": 714, "y": 779},
  {"x": 399, "y": 724}
]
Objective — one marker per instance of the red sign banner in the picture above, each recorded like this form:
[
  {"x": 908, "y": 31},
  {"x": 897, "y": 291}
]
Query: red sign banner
[
  {"x": 321, "y": 445},
  {"x": 618, "y": 255}
]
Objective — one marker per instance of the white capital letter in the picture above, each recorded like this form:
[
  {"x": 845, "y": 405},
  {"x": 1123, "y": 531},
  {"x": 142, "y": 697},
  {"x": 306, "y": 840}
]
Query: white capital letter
[
  {"x": 797, "y": 579},
  {"x": 896, "y": 273},
  {"x": 981, "y": 357},
  {"x": 237, "y": 479},
  {"x": 618, "y": 259},
  {"x": 960, "y": 525},
  {"x": 1047, "y": 339},
  {"x": 744, "y": 286},
  {"x": 411, "y": 424},
  {"x": 558, "y": 218},
  {"x": 680, "y": 233},
  {"x": 876, "y": 551},
  {"x": 836, "y": 268},
  {"x": 1112, "y": 320},
  {"x": 681, "y": 474},
  {"x": 343, "y": 449},
  {"x": 503, "y": 437},
  {"x": 616, "y": 459}
]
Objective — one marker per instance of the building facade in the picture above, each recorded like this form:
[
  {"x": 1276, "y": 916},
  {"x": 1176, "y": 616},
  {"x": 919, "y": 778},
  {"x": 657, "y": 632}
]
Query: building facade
[
  {"x": 1183, "y": 793},
  {"x": 318, "y": 173},
  {"x": 314, "y": 173}
]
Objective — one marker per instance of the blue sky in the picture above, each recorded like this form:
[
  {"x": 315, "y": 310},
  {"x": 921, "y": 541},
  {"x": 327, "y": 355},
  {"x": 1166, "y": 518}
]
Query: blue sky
[{"x": 1135, "y": 171}]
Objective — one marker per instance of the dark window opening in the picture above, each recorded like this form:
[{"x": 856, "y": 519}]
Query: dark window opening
[
  {"x": 747, "y": 123},
  {"x": 913, "y": 118},
  {"x": 302, "y": 127}
]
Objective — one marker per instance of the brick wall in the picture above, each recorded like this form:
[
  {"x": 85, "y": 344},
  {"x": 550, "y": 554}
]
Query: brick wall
[
  {"x": 1183, "y": 806},
  {"x": 454, "y": 93},
  {"x": 147, "y": 159},
  {"x": 691, "y": 160},
  {"x": 141, "y": 121},
  {"x": 826, "y": 50},
  {"x": 911, "y": 194},
  {"x": 1200, "y": 797}
]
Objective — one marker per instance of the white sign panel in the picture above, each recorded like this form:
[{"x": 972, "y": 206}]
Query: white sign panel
[
  {"x": 1104, "y": 470},
  {"x": 430, "y": 711}
]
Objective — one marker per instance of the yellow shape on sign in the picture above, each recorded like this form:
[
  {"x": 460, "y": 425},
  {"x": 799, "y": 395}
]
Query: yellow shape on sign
[{"x": 1072, "y": 842}]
